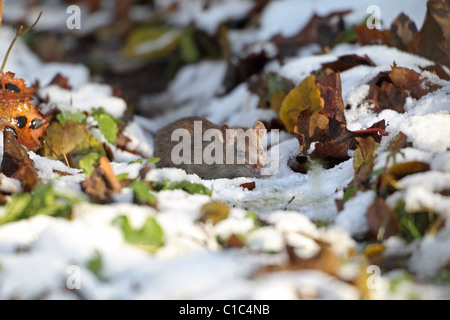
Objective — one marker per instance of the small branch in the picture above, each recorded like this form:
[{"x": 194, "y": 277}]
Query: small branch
[
  {"x": 19, "y": 32},
  {"x": 2, "y": 2}
]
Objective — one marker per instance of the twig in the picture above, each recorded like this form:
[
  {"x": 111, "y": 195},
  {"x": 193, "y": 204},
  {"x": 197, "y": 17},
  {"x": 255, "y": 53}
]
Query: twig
[
  {"x": 2, "y": 2},
  {"x": 19, "y": 32},
  {"x": 48, "y": 144}
]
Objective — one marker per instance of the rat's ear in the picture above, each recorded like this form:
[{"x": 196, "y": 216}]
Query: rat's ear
[
  {"x": 260, "y": 129},
  {"x": 231, "y": 133}
]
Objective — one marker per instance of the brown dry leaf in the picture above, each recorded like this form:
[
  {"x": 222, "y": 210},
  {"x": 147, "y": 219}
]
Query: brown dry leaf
[
  {"x": 401, "y": 170},
  {"x": 411, "y": 81},
  {"x": 214, "y": 211},
  {"x": 327, "y": 127},
  {"x": 366, "y": 36},
  {"x": 234, "y": 242},
  {"x": 325, "y": 261},
  {"x": 249, "y": 185},
  {"x": 331, "y": 92},
  {"x": 382, "y": 221},
  {"x": 404, "y": 31},
  {"x": 438, "y": 70},
  {"x": 384, "y": 95},
  {"x": 389, "y": 90},
  {"x": 324, "y": 30},
  {"x": 16, "y": 162},
  {"x": 348, "y": 61},
  {"x": 399, "y": 142},
  {"x": 95, "y": 187},
  {"x": 61, "y": 81},
  {"x": 433, "y": 39}
]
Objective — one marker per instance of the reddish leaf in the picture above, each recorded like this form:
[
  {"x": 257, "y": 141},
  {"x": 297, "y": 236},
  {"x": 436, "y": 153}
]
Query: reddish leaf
[
  {"x": 347, "y": 62},
  {"x": 249, "y": 185},
  {"x": 366, "y": 36}
]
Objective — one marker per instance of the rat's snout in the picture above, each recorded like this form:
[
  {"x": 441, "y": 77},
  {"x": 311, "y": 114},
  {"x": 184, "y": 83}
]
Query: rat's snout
[{"x": 256, "y": 168}]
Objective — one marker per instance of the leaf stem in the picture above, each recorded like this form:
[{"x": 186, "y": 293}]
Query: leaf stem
[{"x": 19, "y": 32}]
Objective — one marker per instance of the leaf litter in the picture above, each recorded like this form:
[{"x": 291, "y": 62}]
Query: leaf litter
[{"x": 365, "y": 126}]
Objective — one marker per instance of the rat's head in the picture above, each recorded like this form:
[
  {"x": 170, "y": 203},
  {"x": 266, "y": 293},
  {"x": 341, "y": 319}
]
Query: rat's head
[{"x": 249, "y": 151}]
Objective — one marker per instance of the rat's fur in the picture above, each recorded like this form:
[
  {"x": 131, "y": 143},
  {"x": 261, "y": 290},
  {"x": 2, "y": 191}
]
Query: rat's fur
[{"x": 163, "y": 147}]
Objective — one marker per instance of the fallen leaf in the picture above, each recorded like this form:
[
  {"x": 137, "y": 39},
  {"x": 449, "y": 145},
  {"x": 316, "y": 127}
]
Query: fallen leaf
[
  {"x": 389, "y": 89},
  {"x": 366, "y": 36},
  {"x": 433, "y": 39},
  {"x": 234, "y": 241},
  {"x": 16, "y": 162},
  {"x": 95, "y": 187},
  {"x": 214, "y": 211},
  {"x": 61, "y": 81},
  {"x": 249, "y": 185},
  {"x": 400, "y": 170},
  {"x": 109, "y": 175},
  {"x": 438, "y": 70},
  {"x": 304, "y": 97},
  {"x": 322, "y": 30},
  {"x": 348, "y": 61},
  {"x": 382, "y": 221},
  {"x": 404, "y": 31},
  {"x": 325, "y": 261}
]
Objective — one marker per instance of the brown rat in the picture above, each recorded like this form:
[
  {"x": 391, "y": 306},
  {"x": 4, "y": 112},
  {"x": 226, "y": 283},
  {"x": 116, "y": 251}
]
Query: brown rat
[{"x": 226, "y": 153}]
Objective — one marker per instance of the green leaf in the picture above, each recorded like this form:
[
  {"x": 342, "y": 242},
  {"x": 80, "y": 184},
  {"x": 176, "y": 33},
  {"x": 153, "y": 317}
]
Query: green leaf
[
  {"x": 135, "y": 161},
  {"x": 152, "y": 160},
  {"x": 142, "y": 192},
  {"x": 76, "y": 116},
  {"x": 95, "y": 265},
  {"x": 43, "y": 200},
  {"x": 189, "y": 52},
  {"x": 350, "y": 192},
  {"x": 275, "y": 84},
  {"x": 88, "y": 163},
  {"x": 150, "y": 235},
  {"x": 151, "y": 42},
  {"x": 122, "y": 176},
  {"x": 107, "y": 125},
  {"x": 413, "y": 225},
  {"x": 189, "y": 187}
]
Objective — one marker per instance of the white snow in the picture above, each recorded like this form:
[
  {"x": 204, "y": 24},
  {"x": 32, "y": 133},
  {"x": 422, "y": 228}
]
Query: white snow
[{"x": 39, "y": 255}]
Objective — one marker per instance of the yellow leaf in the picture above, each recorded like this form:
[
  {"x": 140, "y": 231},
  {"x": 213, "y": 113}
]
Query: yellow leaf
[
  {"x": 364, "y": 154},
  {"x": 214, "y": 211},
  {"x": 305, "y": 96},
  {"x": 151, "y": 42},
  {"x": 374, "y": 248}
]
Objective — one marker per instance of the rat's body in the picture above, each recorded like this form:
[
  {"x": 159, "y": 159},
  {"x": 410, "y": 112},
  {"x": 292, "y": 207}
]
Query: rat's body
[{"x": 229, "y": 140}]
